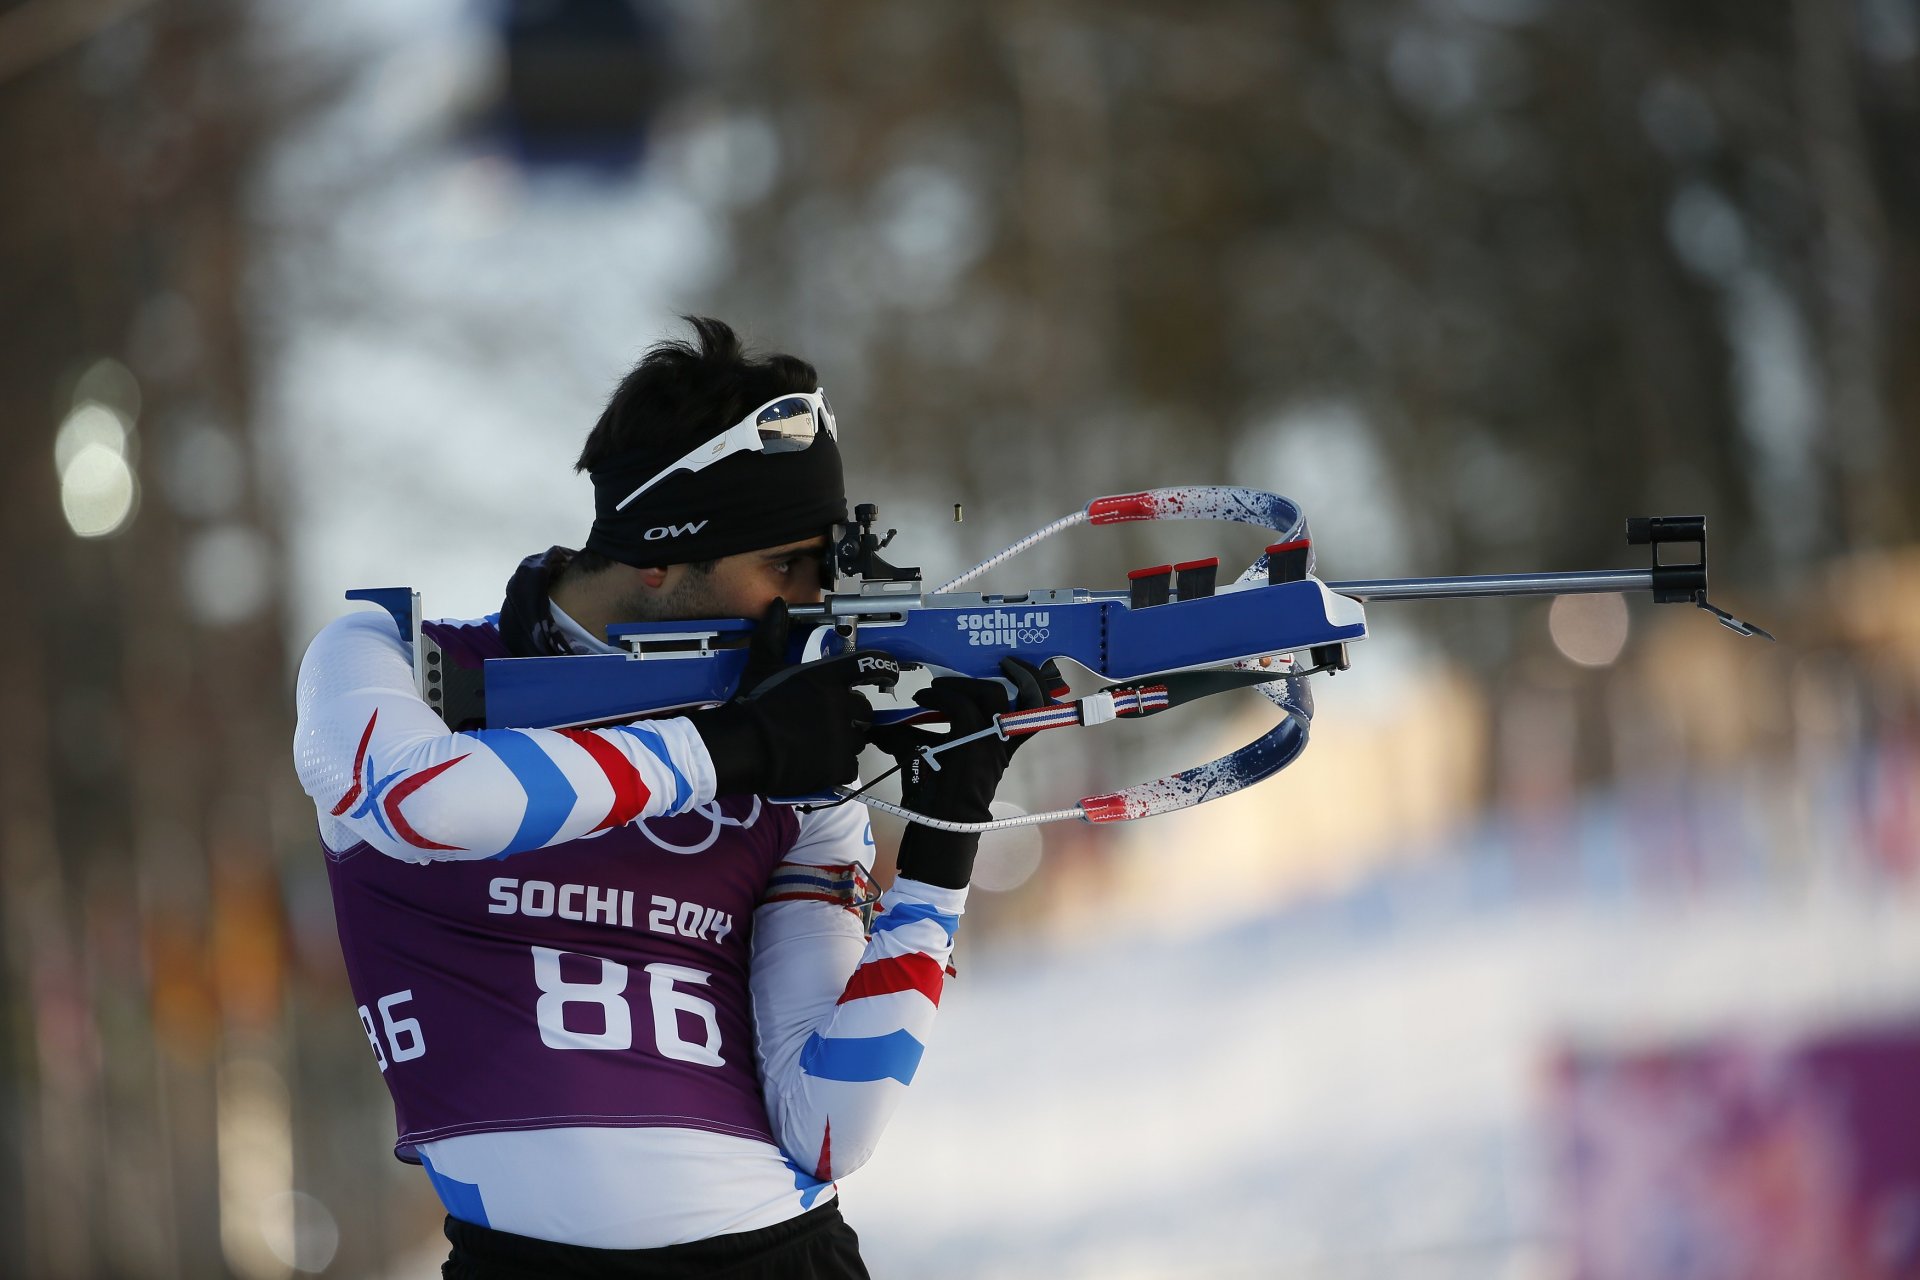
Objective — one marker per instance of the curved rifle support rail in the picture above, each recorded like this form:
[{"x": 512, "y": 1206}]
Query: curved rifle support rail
[{"x": 1235, "y": 771}]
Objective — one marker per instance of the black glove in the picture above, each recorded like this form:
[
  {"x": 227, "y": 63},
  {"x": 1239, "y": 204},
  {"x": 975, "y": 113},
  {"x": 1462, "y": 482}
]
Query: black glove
[
  {"x": 795, "y": 729},
  {"x": 961, "y": 789}
]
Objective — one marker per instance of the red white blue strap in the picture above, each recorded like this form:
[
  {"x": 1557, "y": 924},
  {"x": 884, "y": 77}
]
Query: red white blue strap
[{"x": 1097, "y": 708}]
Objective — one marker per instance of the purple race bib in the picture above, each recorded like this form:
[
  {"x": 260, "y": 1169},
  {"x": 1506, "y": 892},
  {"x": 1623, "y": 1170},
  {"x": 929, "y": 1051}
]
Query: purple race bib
[{"x": 599, "y": 982}]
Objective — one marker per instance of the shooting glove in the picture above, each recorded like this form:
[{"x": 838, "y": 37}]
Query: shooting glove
[
  {"x": 796, "y": 729},
  {"x": 962, "y": 788}
]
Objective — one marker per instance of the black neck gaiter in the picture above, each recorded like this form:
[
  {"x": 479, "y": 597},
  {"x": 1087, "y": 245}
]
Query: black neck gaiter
[{"x": 526, "y": 622}]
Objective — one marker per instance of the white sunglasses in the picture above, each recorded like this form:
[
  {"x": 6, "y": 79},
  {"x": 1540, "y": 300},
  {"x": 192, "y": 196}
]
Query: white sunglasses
[{"x": 784, "y": 424}]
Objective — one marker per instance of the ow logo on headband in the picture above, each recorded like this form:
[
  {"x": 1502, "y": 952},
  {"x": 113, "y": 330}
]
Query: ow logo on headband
[{"x": 674, "y": 530}]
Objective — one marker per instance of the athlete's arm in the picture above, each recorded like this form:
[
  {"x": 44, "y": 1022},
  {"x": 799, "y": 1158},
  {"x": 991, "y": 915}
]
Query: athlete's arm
[
  {"x": 382, "y": 767},
  {"x": 841, "y": 1020}
]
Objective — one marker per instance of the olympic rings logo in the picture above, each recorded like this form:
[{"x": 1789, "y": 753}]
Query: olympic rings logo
[{"x": 711, "y": 812}]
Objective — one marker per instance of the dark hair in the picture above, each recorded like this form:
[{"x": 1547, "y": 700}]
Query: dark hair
[{"x": 682, "y": 393}]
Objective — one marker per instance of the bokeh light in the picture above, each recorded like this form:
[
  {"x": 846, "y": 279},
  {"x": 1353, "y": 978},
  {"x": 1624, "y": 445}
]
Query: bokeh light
[
  {"x": 90, "y": 423},
  {"x": 110, "y": 383},
  {"x": 228, "y": 574},
  {"x": 93, "y": 451},
  {"x": 300, "y": 1230},
  {"x": 203, "y": 471},
  {"x": 1007, "y": 859},
  {"x": 97, "y": 490},
  {"x": 1589, "y": 630}
]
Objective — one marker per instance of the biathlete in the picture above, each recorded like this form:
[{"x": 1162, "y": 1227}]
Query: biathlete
[{"x": 632, "y": 1016}]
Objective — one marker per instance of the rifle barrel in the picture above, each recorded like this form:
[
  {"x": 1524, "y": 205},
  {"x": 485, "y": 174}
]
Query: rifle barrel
[{"x": 1591, "y": 582}]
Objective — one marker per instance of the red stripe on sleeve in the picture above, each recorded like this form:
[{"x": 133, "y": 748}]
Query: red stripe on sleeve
[
  {"x": 406, "y": 787},
  {"x": 359, "y": 759},
  {"x": 911, "y": 972},
  {"x": 629, "y": 792}
]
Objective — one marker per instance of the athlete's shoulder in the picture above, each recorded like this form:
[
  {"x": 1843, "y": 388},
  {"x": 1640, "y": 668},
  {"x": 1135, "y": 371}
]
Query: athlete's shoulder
[
  {"x": 362, "y": 650},
  {"x": 347, "y": 648}
]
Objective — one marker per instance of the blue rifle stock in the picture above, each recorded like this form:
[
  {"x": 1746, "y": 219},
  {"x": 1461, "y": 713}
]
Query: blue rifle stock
[{"x": 670, "y": 666}]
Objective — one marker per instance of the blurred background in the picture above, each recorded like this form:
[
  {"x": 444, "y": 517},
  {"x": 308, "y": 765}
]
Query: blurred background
[{"x": 1585, "y": 940}]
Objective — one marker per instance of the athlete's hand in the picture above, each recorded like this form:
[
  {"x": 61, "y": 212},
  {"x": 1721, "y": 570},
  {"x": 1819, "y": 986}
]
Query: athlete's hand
[
  {"x": 795, "y": 729},
  {"x": 961, "y": 789}
]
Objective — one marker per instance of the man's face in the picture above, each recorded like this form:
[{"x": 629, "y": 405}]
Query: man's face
[{"x": 742, "y": 586}]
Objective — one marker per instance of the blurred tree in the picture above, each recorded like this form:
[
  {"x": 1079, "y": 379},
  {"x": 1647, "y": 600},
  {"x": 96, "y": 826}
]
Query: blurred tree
[
  {"x": 142, "y": 670},
  {"x": 1490, "y": 274}
]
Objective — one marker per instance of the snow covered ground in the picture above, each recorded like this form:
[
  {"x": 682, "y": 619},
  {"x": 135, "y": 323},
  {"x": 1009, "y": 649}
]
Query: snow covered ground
[{"x": 1341, "y": 1092}]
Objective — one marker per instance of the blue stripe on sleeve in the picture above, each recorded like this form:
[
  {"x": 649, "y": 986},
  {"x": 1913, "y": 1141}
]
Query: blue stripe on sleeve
[
  {"x": 682, "y": 789},
  {"x": 898, "y": 917},
  {"x": 894, "y": 1056},
  {"x": 550, "y": 797}
]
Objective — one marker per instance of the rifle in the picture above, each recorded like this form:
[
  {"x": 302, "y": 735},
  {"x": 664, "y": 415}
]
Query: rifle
[{"x": 1176, "y": 634}]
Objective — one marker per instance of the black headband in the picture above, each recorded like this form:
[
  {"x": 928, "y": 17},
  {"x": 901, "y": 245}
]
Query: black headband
[{"x": 740, "y": 503}]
